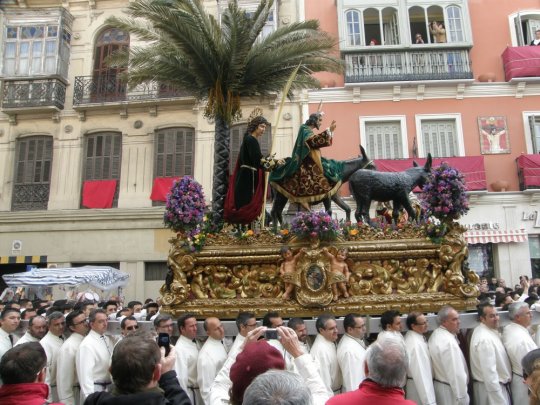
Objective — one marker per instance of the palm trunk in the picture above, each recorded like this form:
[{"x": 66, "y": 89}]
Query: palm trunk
[{"x": 221, "y": 167}]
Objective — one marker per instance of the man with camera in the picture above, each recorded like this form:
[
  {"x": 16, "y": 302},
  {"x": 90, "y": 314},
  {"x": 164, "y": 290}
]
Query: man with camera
[{"x": 147, "y": 378}]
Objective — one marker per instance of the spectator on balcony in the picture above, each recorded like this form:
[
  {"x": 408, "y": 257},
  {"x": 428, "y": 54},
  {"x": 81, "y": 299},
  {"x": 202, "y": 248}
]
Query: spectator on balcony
[
  {"x": 438, "y": 31},
  {"x": 418, "y": 38},
  {"x": 536, "y": 40},
  {"x": 373, "y": 42}
]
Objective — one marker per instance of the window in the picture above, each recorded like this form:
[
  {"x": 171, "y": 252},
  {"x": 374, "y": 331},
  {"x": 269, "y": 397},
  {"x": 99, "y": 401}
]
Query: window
[
  {"x": 155, "y": 271},
  {"x": 454, "y": 30},
  {"x": 107, "y": 83},
  {"x": 250, "y": 6},
  {"x": 237, "y": 135},
  {"x": 37, "y": 43},
  {"x": 33, "y": 161},
  {"x": 102, "y": 159},
  {"x": 384, "y": 139},
  {"x": 534, "y": 130},
  {"x": 353, "y": 27},
  {"x": 481, "y": 259},
  {"x": 441, "y": 136},
  {"x": 174, "y": 152},
  {"x": 523, "y": 27}
]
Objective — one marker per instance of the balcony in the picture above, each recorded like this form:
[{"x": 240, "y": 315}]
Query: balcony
[
  {"x": 521, "y": 61},
  {"x": 112, "y": 89},
  {"x": 18, "y": 95},
  {"x": 528, "y": 171},
  {"x": 408, "y": 65}
]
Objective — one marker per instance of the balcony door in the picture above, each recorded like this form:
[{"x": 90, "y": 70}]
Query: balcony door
[{"x": 107, "y": 84}]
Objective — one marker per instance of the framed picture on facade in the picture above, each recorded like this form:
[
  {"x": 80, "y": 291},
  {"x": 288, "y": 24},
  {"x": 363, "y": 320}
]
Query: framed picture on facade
[{"x": 493, "y": 135}]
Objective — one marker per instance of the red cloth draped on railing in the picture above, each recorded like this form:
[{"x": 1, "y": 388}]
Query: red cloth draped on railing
[
  {"x": 98, "y": 193},
  {"x": 472, "y": 168},
  {"x": 162, "y": 186},
  {"x": 521, "y": 61},
  {"x": 529, "y": 171}
]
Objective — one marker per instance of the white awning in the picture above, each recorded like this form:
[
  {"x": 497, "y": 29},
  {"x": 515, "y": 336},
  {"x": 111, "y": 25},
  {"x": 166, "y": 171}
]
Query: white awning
[{"x": 496, "y": 236}]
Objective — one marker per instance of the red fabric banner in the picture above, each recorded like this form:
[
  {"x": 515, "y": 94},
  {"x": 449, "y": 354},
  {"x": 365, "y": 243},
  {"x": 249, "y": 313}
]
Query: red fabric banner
[
  {"x": 521, "y": 61},
  {"x": 472, "y": 168},
  {"x": 98, "y": 193},
  {"x": 162, "y": 186},
  {"x": 529, "y": 170}
]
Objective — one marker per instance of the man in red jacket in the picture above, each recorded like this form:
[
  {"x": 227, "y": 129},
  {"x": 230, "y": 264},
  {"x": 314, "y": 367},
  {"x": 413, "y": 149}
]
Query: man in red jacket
[
  {"x": 22, "y": 370},
  {"x": 386, "y": 372}
]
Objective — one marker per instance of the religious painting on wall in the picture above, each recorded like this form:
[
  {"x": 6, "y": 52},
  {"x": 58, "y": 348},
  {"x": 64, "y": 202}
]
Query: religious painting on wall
[{"x": 493, "y": 135}]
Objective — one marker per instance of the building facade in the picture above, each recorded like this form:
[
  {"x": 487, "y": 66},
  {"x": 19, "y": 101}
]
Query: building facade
[{"x": 73, "y": 136}]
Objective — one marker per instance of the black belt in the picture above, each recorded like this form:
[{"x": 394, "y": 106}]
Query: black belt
[
  {"x": 103, "y": 384},
  {"x": 442, "y": 382}
]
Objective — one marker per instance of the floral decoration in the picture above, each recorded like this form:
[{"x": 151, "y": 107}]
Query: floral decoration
[
  {"x": 314, "y": 225},
  {"x": 185, "y": 206},
  {"x": 444, "y": 195}
]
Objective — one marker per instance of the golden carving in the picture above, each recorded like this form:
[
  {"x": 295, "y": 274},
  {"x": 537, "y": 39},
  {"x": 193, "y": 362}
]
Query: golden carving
[{"x": 386, "y": 270}]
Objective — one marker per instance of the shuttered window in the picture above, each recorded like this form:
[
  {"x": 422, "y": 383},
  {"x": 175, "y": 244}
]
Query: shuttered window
[
  {"x": 237, "y": 134},
  {"x": 174, "y": 152},
  {"x": 384, "y": 140},
  {"x": 33, "y": 163},
  {"x": 439, "y": 138}
]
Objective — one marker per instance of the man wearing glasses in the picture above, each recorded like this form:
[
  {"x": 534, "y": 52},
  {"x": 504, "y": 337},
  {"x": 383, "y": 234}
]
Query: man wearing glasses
[
  {"x": 187, "y": 354},
  {"x": 52, "y": 342},
  {"x": 66, "y": 373},
  {"x": 128, "y": 325},
  {"x": 324, "y": 352},
  {"x": 351, "y": 352},
  {"x": 419, "y": 377},
  {"x": 245, "y": 322}
]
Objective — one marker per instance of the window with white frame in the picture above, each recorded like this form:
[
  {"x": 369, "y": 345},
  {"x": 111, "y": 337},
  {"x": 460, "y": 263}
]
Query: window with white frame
[
  {"x": 353, "y": 27},
  {"x": 534, "y": 130},
  {"x": 523, "y": 26},
  {"x": 384, "y": 138},
  {"x": 439, "y": 137},
  {"x": 36, "y": 43}
]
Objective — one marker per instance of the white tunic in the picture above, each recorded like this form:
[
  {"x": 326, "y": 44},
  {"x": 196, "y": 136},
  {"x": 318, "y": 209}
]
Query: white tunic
[
  {"x": 419, "y": 375},
  {"x": 92, "y": 362},
  {"x": 238, "y": 340},
  {"x": 351, "y": 353},
  {"x": 66, "y": 374},
  {"x": 5, "y": 343},
  {"x": 450, "y": 372},
  {"x": 51, "y": 343},
  {"x": 211, "y": 358},
  {"x": 490, "y": 366},
  {"x": 518, "y": 342},
  {"x": 187, "y": 353},
  {"x": 324, "y": 353},
  {"x": 26, "y": 338}
]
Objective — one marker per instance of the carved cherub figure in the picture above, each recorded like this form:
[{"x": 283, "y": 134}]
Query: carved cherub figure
[
  {"x": 339, "y": 272},
  {"x": 288, "y": 268}
]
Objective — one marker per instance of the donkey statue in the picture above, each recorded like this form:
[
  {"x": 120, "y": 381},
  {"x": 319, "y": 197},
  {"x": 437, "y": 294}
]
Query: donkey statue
[
  {"x": 368, "y": 185},
  {"x": 349, "y": 167}
]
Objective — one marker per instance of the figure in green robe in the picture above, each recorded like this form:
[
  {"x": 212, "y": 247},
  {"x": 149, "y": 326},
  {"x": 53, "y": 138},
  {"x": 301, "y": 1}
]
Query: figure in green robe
[{"x": 308, "y": 177}]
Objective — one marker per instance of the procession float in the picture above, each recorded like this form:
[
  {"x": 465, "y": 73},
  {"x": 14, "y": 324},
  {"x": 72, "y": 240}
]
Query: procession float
[{"x": 413, "y": 260}]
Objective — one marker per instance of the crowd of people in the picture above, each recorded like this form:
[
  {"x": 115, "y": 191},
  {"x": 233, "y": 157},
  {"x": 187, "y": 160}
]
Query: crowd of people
[{"x": 67, "y": 356}]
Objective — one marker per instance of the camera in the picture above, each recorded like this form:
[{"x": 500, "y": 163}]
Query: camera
[
  {"x": 271, "y": 334},
  {"x": 163, "y": 340}
]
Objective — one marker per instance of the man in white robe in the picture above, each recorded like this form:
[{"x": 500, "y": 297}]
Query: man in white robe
[
  {"x": 351, "y": 352},
  {"x": 450, "y": 373},
  {"x": 94, "y": 356},
  {"x": 187, "y": 353},
  {"x": 419, "y": 374},
  {"x": 37, "y": 329},
  {"x": 66, "y": 373},
  {"x": 324, "y": 352},
  {"x": 245, "y": 322},
  {"x": 490, "y": 366},
  {"x": 9, "y": 322},
  {"x": 518, "y": 342},
  {"x": 51, "y": 342},
  {"x": 211, "y": 357},
  {"x": 391, "y": 324}
]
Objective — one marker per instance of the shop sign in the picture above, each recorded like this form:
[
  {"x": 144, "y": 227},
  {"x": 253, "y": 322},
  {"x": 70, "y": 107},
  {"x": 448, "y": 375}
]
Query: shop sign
[
  {"x": 482, "y": 226},
  {"x": 531, "y": 216}
]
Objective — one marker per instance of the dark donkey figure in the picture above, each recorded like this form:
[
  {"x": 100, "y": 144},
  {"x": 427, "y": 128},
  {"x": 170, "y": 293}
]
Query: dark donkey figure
[
  {"x": 349, "y": 167},
  {"x": 367, "y": 185}
]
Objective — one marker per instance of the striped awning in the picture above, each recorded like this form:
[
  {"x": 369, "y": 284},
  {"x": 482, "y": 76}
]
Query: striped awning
[{"x": 496, "y": 236}]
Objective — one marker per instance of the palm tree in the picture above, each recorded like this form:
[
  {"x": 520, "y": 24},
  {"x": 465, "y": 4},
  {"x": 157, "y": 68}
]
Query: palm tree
[{"x": 220, "y": 63}]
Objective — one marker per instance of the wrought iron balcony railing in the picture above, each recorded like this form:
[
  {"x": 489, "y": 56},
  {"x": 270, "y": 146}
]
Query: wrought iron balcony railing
[
  {"x": 407, "y": 65},
  {"x": 29, "y": 197},
  {"x": 111, "y": 88},
  {"x": 34, "y": 93}
]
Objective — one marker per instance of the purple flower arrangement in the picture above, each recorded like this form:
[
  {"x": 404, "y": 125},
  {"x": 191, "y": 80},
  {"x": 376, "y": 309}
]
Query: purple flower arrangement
[
  {"x": 313, "y": 224},
  {"x": 185, "y": 206},
  {"x": 444, "y": 195}
]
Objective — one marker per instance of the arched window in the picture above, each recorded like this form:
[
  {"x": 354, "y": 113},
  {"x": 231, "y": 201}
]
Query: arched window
[
  {"x": 174, "y": 152},
  {"x": 107, "y": 85},
  {"x": 353, "y": 27},
  {"x": 237, "y": 135},
  {"x": 454, "y": 29},
  {"x": 33, "y": 162}
]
